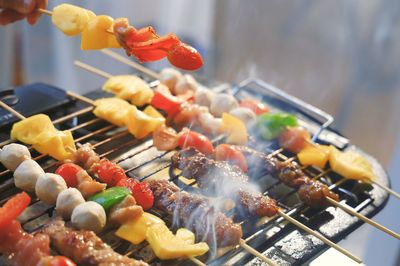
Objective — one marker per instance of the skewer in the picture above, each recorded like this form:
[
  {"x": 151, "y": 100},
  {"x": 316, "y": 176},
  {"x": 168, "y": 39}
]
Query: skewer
[
  {"x": 92, "y": 69},
  {"x": 254, "y": 252},
  {"x": 247, "y": 247},
  {"x": 319, "y": 236},
  {"x": 130, "y": 63},
  {"x": 11, "y": 110},
  {"x": 354, "y": 213},
  {"x": 45, "y": 11},
  {"x": 362, "y": 217},
  {"x": 387, "y": 189}
]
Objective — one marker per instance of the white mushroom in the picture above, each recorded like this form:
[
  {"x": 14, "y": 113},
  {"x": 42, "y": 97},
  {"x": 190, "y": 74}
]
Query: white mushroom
[
  {"x": 209, "y": 123},
  {"x": 90, "y": 216},
  {"x": 222, "y": 103},
  {"x": 185, "y": 83},
  {"x": 13, "y": 154},
  {"x": 169, "y": 77},
  {"x": 67, "y": 200},
  {"x": 244, "y": 114},
  {"x": 48, "y": 186},
  {"x": 27, "y": 174},
  {"x": 203, "y": 96}
]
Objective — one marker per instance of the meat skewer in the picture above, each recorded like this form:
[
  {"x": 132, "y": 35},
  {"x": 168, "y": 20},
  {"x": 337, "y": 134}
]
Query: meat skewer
[
  {"x": 310, "y": 192},
  {"x": 207, "y": 172},
  {"x": 85, "y": 247}
]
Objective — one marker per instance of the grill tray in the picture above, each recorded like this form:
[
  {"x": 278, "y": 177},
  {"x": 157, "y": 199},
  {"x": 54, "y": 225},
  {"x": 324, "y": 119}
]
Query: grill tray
[{"x": 277, "y": 239}]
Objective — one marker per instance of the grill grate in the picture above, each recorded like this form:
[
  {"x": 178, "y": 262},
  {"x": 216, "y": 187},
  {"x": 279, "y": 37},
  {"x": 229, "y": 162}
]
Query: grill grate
[{"x": 273, "y": 237}]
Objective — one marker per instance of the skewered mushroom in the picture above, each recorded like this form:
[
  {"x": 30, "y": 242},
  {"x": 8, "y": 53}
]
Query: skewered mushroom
[
  {"x": 67, "y": 200},
  {"x": 89, "y": 215},
  {"x": 48, "y": 186},
  {"x": 244, "y": 114},
  {"x": 184, "y": 84},
  {"x": 169, "y": 77},
  {"x": 222, "y": 103},
  {"x": 203, "y": 97},
  {"x": 13, "y": 154},
  {"x": 27, "y": 174}
]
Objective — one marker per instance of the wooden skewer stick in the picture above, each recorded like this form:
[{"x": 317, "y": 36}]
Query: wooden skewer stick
[
  {"x": 362, "y": 217},
  {"x": 11, "y": 110},
  {"x": 251, "y": 250},
  {"x": 130, "y": 63},
  {"x": 45, "y": 11},
  {"x": 387, "y": 189},
  {"x": 319, "y": 236},
  {"x": 81, "y": 98},
  {"x": 92, "y": 69}
]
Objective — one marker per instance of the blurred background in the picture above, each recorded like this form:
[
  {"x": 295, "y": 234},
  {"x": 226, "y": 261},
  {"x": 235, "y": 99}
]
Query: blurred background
[{"x": 341, "y": 56}]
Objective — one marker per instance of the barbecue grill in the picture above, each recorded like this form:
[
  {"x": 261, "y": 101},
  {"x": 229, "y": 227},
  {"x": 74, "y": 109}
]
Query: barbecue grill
[{"x": 275, "y": 237}]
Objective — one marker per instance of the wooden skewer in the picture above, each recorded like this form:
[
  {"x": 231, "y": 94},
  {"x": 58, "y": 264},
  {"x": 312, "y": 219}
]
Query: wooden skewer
[
  {"x": 81, "y": 98},
  {"x": 45, "y": 11},
  {"x": 387, "y": 189},
  {"x": 130, "y": 63},
  {"x": 92, "y": 69},
  {"x": 251, "y": 250},
  {"x": 11, "y": 110},
  {"x": 362, "y": 217},
  {"x": 319, "y": 236}
]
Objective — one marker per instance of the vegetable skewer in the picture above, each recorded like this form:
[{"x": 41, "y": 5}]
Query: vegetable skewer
[{"x": 100, "y": 198}]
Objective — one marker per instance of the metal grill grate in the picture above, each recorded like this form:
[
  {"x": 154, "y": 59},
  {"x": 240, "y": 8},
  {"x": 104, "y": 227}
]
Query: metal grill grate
[{"x": 273, "y": 237}]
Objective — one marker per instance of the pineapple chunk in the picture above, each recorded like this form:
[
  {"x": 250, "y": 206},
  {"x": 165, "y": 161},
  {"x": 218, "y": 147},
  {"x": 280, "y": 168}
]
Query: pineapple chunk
[
  {"x": 140, "y": 124},
  {"x": 129, "y": 87},
  {"x": 96, "y": 34},
  {"x": 167, "y": 246},
  {"x": 186, "y": 235},
  {"x": 135, "y": 231},
  {"x": 151, "y": 111},
  {"x": 350, "y": 165},
  {"x": 70, "y": 19},
  {"x": 113, "y": 110},
  {"x": 235, "y": 128},
  {"x": 317, "y": 155}
]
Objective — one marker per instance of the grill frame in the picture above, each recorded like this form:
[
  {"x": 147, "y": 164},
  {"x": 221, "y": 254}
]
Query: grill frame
[{"x": 322, "y": 133}]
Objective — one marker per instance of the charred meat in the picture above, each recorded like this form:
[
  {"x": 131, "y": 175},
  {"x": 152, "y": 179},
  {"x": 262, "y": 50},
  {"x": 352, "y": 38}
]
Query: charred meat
[
  {"x": 84, "y": 247},
  {"x": 221, "y": 178},
  {"x": 196, "y": 213}
]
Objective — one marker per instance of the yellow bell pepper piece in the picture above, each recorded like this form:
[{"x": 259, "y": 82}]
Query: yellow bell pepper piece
[
  {"x": 96, "y": 34},
  {"x": 59, "y": 145},
  {"x": 140, "y": 124},
  {"x": 129, "y": 87},
  {"x": 151, "y": 111},
  {"x": 39, "y": 131},
  {"x": 167, "y": 246},
  {"x": 135, "y": 231},
  {"x": 186, "y": 235},
  {"x": 113, "y": 110},
  {"x": 28, "y": 129},
  {"x": 351, "y": 165},
  {"x": 235, "y": 128},
  {"x": 70, "y": 19},
  {"x": 317, "y": 155}
]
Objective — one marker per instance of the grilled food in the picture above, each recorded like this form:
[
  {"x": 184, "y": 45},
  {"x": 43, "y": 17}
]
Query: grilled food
[
  {"x": 311, "y": 192},
  {"x": 27, "y": 174},
  {"x": 221, "y": 178},
  {"x": 196, "y": 213},
  {"x": 84, "y": 247},
  {"x": 13, "y": 155}
]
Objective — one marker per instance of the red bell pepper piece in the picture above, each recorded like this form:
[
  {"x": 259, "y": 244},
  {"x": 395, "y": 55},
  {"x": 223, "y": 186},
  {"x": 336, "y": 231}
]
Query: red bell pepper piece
[
  {"x": 225, "y": 152},
  {"x": 69, "y": 172},
  {"x": 13, "y": 208},
  {"x": 140, "y": 191},
  {"x": 167, "y": 102},
  {"x": 185, "y": 57},
  {"x": 196, "y": 140}
]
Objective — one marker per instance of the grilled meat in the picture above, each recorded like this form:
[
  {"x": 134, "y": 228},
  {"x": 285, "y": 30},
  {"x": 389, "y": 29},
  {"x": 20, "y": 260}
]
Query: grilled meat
[
  {"x": 84, "y": 247},
  {"x": 221, "y": 178},
  {"x": 311, "y": 192},
  {"x": 86, "y": 157},
  {"x": 314, "y": 194},
  {"x": 196, "y": 213}
]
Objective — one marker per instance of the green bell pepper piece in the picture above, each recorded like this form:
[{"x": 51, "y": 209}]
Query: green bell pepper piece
[
  {"x": 271, "y": 125},
  {"x": 110, "y": 196}
]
